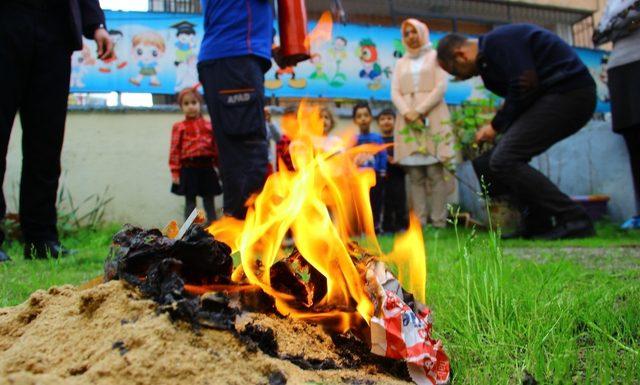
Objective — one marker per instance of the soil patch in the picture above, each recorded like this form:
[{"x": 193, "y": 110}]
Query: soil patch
[{"x": 109, "y": 335}]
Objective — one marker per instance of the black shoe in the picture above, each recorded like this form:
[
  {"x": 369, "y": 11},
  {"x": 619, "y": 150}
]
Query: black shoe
[
  {"x": 582, "y": 228},
  {"x": 45, "y": 249},
  {"x": 516, "y": 234},
  {"x": 4, "y": 257}
]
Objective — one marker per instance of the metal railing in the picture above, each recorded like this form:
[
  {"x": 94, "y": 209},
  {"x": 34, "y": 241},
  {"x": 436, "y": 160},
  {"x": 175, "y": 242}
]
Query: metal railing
[{"x": 177, "y": 6}]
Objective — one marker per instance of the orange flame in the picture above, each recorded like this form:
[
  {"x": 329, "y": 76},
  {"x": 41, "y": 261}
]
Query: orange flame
[
  {"x": 324, "y": 203},
  {"x": 409, "y": 256},
  {"x": 321, "y": 33}
]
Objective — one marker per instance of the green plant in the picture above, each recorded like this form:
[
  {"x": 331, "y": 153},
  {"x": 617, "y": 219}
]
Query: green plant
[
  {"x": 466, "y": 119},
  {"x": 87, "y": 214}
]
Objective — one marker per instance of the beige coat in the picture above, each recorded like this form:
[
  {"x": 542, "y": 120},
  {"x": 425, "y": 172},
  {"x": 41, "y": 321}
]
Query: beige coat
[{"x": 428, "y": 100}]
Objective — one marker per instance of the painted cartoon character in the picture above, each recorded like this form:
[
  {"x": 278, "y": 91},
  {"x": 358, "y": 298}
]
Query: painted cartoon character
[
  {"x": 115, "y": 61},
  {"x": 338, "y": 52},
  {"x": 318, "y": 73},
  {"x": 80, "y": 61},
  {"x": 186, "y": 59},
  {"x": 147, "y": 49},
  {"x": 185, "y": 44},
  {"x": 398, "y": 48},
  {"x": 368, "y": 54},
  {"x": 187, "y": 74}
]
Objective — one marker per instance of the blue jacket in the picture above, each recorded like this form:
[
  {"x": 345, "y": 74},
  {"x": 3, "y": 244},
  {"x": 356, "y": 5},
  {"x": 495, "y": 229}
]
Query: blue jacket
[
  {"x": 236, "y": 28},
  {"x": 522, "y": 62},
  {"x": 379, "y": 162}
]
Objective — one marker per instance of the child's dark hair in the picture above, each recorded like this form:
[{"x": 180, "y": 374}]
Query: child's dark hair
[
  {"x": 190, "y": 91},
  {"x": 386, "y": 112},
  {"x": 358, "y": 106}
]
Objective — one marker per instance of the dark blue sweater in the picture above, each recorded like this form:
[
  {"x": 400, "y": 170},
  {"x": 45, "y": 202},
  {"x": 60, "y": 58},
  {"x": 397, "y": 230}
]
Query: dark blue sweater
[{"x": 522, "y": 62}]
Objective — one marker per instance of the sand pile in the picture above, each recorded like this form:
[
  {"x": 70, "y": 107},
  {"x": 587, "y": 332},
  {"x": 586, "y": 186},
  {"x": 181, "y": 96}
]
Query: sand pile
[{"x": 109, "y": 334}]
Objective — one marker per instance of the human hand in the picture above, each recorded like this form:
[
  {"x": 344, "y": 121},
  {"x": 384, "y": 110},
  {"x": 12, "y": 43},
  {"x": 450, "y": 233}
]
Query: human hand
[
  {"x": 175, "y": 180},
  {"x": 390, "y": 159},
  {"x": 104, "y": 43},
  {"x": 411, "y": 116},
  {"x": 276, "y": 53},
  {"x": 486, "y": 134}
]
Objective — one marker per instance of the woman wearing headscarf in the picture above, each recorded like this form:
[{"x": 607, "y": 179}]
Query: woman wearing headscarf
[
  {"x": 417, "y": 92},
  {"x": 620, "y": 25}
]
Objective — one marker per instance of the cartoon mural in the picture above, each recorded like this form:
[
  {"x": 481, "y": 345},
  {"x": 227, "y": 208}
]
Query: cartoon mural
[
  {"x": 338, "y": 53},
  {"x": 117, "y": 61},
  {"x": 157, "y": 52},
  {"x": 147, "y": 49},
  {"x": 80, "y": 63},
  {"x": 186, "y": 56},
  {"x": 371, "y": 69}
]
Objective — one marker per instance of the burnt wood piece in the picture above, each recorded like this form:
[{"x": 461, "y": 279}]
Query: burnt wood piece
[
  {"x": 160, "y": 267},
  {"x": 285, "y": 280},
  {"x": 203, "y": 259}
]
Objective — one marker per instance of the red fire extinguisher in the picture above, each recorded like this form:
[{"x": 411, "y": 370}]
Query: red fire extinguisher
[{"x": 292, "y": 21}]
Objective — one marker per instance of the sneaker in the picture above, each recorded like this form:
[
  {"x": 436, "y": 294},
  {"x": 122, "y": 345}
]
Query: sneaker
[
  {"x": 4, "y": 257},
  {"x": 45, "y": 249},
  {"x": 632, "y": 223}
]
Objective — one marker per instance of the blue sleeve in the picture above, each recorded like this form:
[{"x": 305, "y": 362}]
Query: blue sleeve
[
  {"x": 381, "y": 157},
  {"x": 515, "y": 57}
]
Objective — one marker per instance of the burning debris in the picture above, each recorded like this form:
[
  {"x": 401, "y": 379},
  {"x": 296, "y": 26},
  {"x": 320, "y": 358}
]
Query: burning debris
[
  {"x": 190, "y": 279},
  {"x": 327, "y": 279},
  {"x": 327, "y": 310},
  {"x": 161, "y": 267}
]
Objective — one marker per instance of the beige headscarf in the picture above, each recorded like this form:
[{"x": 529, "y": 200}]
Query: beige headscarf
[{"x": 423, "y": 34}]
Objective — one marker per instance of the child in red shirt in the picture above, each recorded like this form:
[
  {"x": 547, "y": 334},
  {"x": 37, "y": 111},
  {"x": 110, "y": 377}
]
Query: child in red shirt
[{"x": 194, "y": 156}]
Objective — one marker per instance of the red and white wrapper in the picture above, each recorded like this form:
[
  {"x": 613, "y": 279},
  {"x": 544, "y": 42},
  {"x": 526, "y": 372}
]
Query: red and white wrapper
[{"x": 399, "y": 332}]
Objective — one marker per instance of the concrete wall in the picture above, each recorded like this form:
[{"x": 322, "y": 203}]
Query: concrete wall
[
  {"x": 124, "y": 151},
  {"x": 127, "y": 153},
  {"x": 593, "y": 161}
]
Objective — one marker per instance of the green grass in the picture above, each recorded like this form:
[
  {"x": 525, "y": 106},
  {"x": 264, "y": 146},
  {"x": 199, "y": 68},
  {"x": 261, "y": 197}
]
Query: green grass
[
  {"x": 561, "y": 319},
  {"x": 20, "y": 278},
  {"x": 500, "y": 315}
]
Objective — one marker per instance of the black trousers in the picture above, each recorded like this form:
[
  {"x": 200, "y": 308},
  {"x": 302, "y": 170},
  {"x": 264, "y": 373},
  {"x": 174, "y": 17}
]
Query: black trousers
[
  {"x": 376, "y": 196},
  {"x": 550, "y": 119},
  {"x": 35, "y": 67},
  {"x": 632, "y": 138},
  {"x": 394, "y": 212},
  {"x": 234, "y": 90}
]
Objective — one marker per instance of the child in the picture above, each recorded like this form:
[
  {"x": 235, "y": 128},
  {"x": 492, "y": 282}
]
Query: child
[
  {"x": 329, "y": 142},
  {"x": 194, "y": 156},
  {"x": 394, "y": 215},
  {"x": 362, "y": 118}
]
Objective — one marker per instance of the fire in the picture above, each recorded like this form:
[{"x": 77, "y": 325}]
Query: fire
[
  {"x": 410, "y": 258},
  {"x": 324, "y": 204},
  {"x": 321, "y": 33}
]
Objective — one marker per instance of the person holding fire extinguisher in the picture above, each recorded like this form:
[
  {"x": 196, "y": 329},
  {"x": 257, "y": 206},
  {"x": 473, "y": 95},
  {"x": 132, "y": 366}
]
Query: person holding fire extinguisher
[{"x": 235, "y": 54}]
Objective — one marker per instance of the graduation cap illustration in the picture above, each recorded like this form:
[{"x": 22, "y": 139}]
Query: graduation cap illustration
[{"x": 184, "y": 27}]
